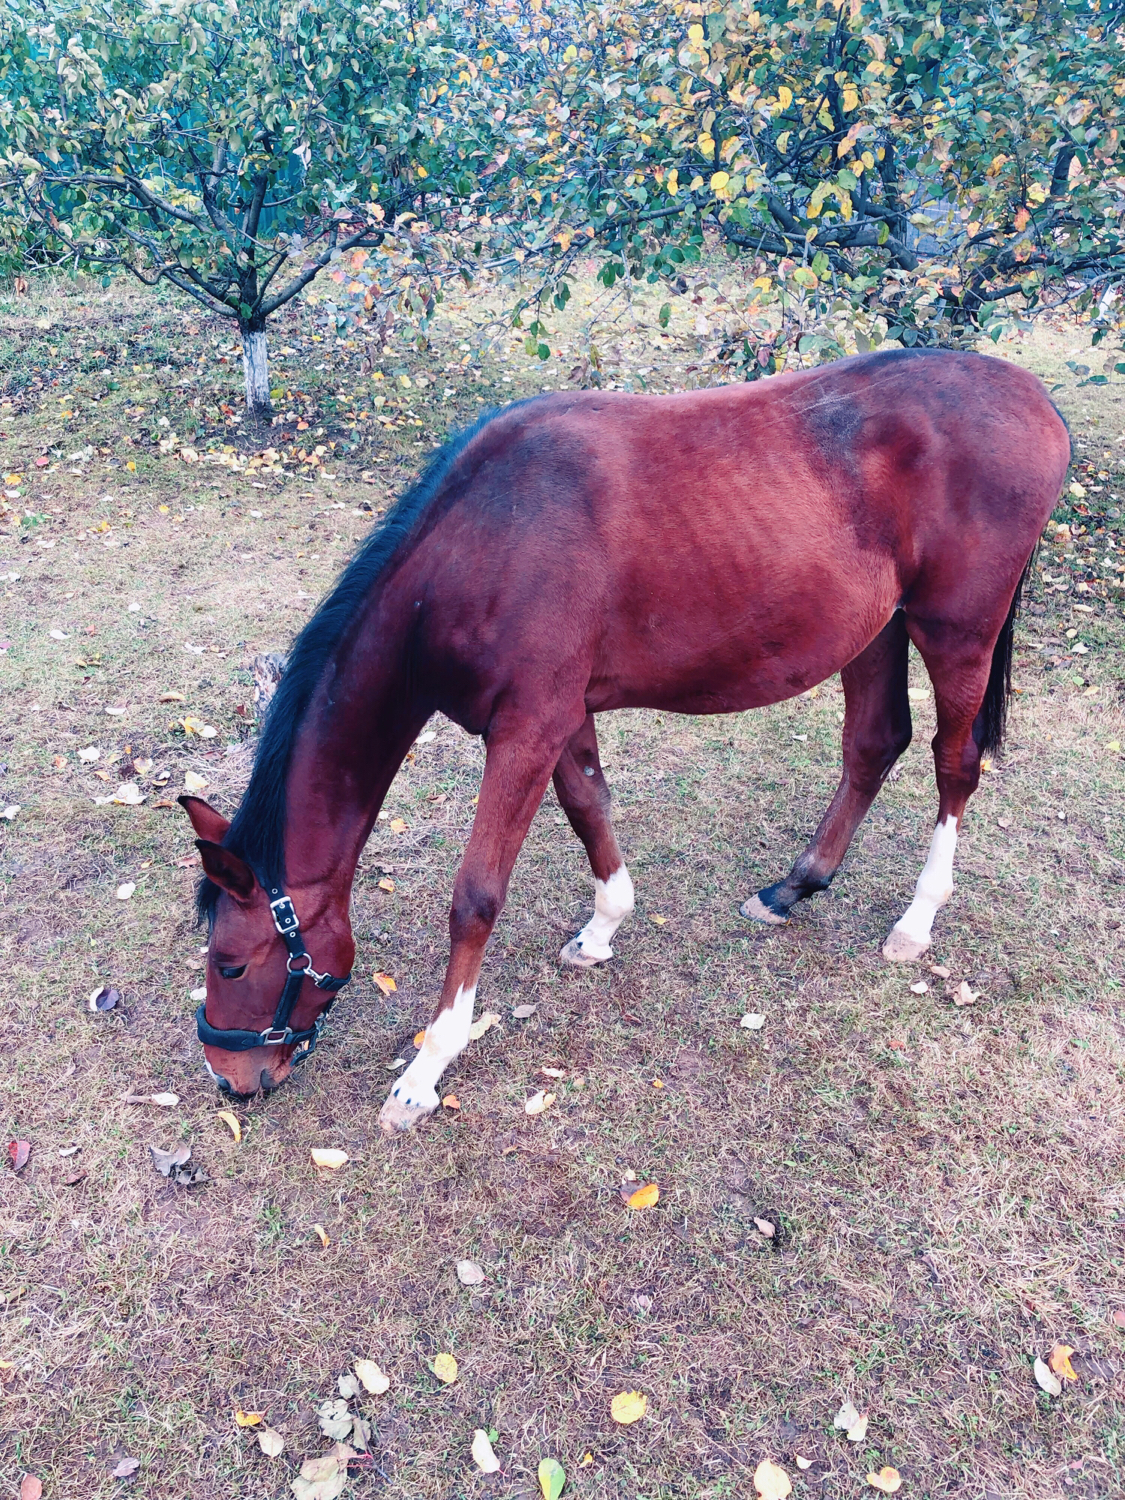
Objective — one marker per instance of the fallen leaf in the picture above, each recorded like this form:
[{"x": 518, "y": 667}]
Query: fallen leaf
[
  {"x": 1059, "y": 1361},
  {"x": 553, "y": 1072},
  {"x": 31, "y": 1487},
  {"x": 166, "y": 1101},
  {"x": 387, "y": 884},
  {"x": 419, "y": 1038},
  {"x": 469, "y": 1273},
  {"x": 126, "y": 890},
  {"x": 371, "y": 1377},
  {"x": 104, "y": 998},
  {"x": 522, "y": 1012},
  {"x": 444, "y": 1367},
  {"x": 896, "y": 1046},
  {"x": 318, "y": 1230},
  {"x": 1045, "y": 1379},
  {"x": 586, "y": 1460},
  {"x": 484, "y": 1023},
  {"x": 320, "y": 1479},
  {"x": 940, "y": 970},
  {"x": 115, "y": 710},
  {"x": 851, "y": 1422},
  {"x": 171, "y": 698},
  {"x": 58, "y": 635},
  {"x": 270, "y": 1442},
  {"x": 397, "y": 825},
  {"x": 249, "y": 1418},
  {"x": 69, "y": 1150},
  {"x": 166, "y": 1161},
  {"x": 766, "y": 1228},
  {"x": 802, "y": 1463},
  {"x": 963, "y": 995},
  {"x": 75, "y": 1178},
  {"x": 1003, "y": 822},
  {"x": 888, "y": 1480},
  {"x": 753, "y": 1021},
  {"x": 1119, "y": 1318},
  {"x": 142, "y": 766},
  {"x": 230, "y": 1119},
  {"x": 628, "y": 1407},
  {"x": 128, "y": 794},
  {"x": 771, "y": 1481},
  {"x": 552, "y": 1478},
  {"x": 647, "y": 1196},
  {"x": 348, "y": 1385},
  {"x": 483, "y": 1456},
  {"x": 384, "y": 982},
  {"x": 327, "y": 1156},
  {"x": 334, "y": 1418},
  {"x": 538, "y": 1102},
  {"x": 194, "y": 782},
  {"x": 90, "y": 754},
  {"x": 126, "y": 1468},
  {"x": 451, "y": 1101},
  {"x": 919, "y": 987},
  {"x": 18, "y": 1152}
]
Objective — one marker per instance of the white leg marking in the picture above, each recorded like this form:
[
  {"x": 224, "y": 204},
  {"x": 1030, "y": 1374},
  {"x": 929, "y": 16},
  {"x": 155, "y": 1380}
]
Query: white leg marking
[
  {"x": 415, "y": 1093},
  {"x": 613, "y": 901},
  {"x": 910, "y": 936}
]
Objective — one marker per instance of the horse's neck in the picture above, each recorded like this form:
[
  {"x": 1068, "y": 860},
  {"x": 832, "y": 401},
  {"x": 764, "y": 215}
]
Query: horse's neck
[{"x": 362, "y": 721}]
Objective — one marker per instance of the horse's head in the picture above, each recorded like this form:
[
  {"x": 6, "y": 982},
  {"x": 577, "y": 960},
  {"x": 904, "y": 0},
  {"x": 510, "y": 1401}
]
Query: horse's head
[{"x": 256, "y": 956}]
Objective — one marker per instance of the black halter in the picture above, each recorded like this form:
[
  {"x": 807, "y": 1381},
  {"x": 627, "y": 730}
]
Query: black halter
[{"x": 280, "y": 1034}]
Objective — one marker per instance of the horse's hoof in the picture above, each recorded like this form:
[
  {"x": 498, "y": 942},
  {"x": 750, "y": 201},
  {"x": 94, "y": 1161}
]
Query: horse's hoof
[
  {"x": 901, "y": 948},
  {"x": 758, "y": 911},
  {"x": 399, "y": 1114},
  {"x": 575, "y": 955}
]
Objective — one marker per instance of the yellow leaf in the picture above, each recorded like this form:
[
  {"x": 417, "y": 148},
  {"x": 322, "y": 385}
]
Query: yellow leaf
[
  {"x": 483, "y": 1024},
  {"x": 887, "y": 1480},
  {"x": 695, "y": 34},
  {"x": 444, "y": 1367},
  {"x": 194, "y": 783},
  {"x": 388, "y": 885},
  {"x": 419, "y": 1038},
  {"x": 850, "y": 98},
  {"x": 318, "y": 1230},
  {"x": 397, "y": 825},
  {"x": 451, "y": 1101},
  {"x": 371, "y": 1377},
  {"x": 249, "y": 1418},
  {"x": 628, "y": 1407},
  {"x": 538, "y": 1102},
  {"x": 784, "y": 96},
  {"x": 326, "y": 1156},
  {"x": 384, "y": 982},
  {"x": 659, "y": 921},
  {"x": 644, "y": 1197},
  {"x": 1059, "y": 1361},
  {"x": 270, "y": 1442},
  {"x": 230, "y": 1119},
  {"x": 483, "y": 1456},
  {"x": 131, "y": 466},
  {"x": 771, "y": 1481},
  {"x": 719, "y": 181},
  {"x": 803, "y": 1463}
]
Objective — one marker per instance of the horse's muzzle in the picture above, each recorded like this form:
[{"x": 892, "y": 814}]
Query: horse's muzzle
[{"x": 266, "y": 1083}]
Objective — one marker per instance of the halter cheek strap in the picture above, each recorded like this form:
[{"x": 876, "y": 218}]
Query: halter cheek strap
[{"x": 280, "y": 1034}]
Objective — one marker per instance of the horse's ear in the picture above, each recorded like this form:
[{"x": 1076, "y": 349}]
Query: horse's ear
[
  {"x": 229, "y": 873},
  {"x": 208, "y": 823}
]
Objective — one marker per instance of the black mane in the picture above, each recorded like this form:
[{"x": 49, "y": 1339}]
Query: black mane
[{"x": 257, "y": 833}]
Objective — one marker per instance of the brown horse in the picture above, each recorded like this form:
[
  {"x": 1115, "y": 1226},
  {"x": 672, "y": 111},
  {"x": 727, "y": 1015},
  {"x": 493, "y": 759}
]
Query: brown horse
[{"x": 700, "y": 553}]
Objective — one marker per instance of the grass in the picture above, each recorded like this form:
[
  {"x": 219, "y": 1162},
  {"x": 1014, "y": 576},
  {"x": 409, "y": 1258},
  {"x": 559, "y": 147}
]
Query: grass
[{"x": 946, "y": 1182}]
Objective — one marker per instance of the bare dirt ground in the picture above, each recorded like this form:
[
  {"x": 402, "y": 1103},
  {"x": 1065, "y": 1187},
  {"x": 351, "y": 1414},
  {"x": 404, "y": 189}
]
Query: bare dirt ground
[{"x": 946, "y": 1182}]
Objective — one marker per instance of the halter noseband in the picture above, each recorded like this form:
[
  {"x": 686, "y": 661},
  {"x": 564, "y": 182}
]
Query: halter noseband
[{"x": 280, "y": 1034}]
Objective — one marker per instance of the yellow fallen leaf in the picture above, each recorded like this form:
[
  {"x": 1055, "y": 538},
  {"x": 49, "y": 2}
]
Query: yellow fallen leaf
[
  {"x": 586, "y": 1460},
  {"x": 451, "y": 1101},
  {"x": 887, "y": 1480},
  {"x": 318, "y": 1230},
  {"x": 484, "y": 1023},
  {"x": 384, "y": 982},
  {"x": 802, "y": 1463},
  {"x": 771, "y": 1481},
  {"x": 230, "y": 1119},
  {"x": 371, "y": 1377},
  {"x": 326, "y": 1156},
  {"x": 444, "y": 1367},
  {"x": 538, "y": 1102},
  {"x": 397, "y": 825},
  {"x": 964, "y": 994},
  {"x": 388, "y": 885},
  {"x": 1059, "y": 1361},
  {"x": 658, "y": 921},
  {"x": 483, "y": 1455},
  {"x": 419, "y": 1038},
  {"x": 270, "y": 1442},
  {"x": 850, "y": 1421},
  {"x": 194, "y": 783},
  {"x": 644, "y": 1197},
  {"x": 249, "y": 1418},
  {"x": 628, "y": 1407}
]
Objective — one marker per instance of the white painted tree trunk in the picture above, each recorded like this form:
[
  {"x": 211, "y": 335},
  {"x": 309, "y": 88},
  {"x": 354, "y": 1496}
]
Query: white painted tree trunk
[{"x": 256, "y": 369}]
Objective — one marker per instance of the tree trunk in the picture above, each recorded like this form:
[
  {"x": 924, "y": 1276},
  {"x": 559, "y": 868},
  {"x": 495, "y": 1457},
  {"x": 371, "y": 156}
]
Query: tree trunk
[{"x": 256, "y": 369}]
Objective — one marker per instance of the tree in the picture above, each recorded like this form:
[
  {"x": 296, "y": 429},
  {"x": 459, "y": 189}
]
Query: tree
[{"x": 231, "y": 150}]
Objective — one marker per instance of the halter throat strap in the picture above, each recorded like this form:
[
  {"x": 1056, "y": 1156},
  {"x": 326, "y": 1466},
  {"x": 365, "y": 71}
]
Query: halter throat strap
[{"x": 299, "y": 967}]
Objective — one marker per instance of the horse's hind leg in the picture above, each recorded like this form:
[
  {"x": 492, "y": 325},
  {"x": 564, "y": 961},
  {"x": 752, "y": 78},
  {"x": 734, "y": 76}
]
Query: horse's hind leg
[
  {"x": 876, "y": 732},
  {"x": 584, "y": 797},
  {"x": 961, "y": 678},
  {"x": 517, "y": 768}
]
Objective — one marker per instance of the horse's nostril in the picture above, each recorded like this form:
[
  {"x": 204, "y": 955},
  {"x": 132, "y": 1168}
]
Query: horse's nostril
[{"x": 268, "y": 1082}]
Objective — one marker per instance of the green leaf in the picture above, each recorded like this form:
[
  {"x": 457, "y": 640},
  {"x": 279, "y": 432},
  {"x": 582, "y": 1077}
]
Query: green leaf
[
  {"x": 552, "y": 1478},
  {"x": 665, "y": 315}
]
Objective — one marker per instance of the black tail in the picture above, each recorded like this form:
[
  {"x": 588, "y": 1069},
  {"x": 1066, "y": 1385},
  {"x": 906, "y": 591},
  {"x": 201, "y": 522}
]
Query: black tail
[{"x": 993, "y": 716}]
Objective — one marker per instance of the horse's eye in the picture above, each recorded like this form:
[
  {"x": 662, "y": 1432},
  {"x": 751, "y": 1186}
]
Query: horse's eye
[{"x": 233, "y": 973}]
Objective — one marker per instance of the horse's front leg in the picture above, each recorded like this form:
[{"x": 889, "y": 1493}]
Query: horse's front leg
[
  {"x": 518, "y": 765},
  {"x": 584, "y": 796}
]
